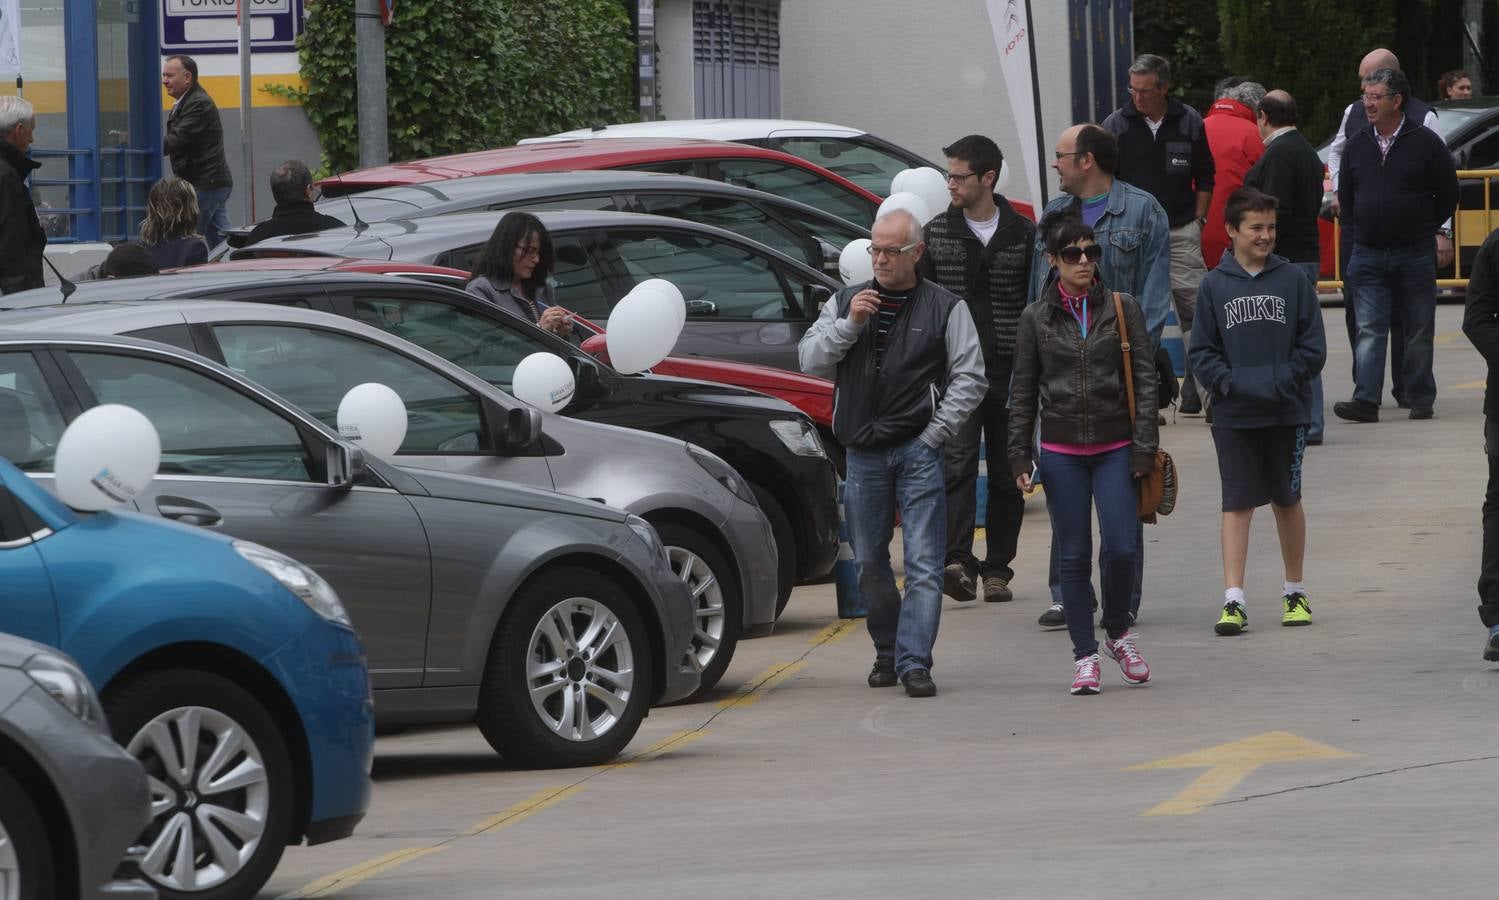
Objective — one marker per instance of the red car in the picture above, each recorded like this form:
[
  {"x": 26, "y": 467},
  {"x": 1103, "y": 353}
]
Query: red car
[{"x": 754, "y": 167}]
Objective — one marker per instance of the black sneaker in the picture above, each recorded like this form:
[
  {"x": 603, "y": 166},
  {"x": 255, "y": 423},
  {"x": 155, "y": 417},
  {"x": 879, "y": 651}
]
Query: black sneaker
[
  {"x": 1421, "y": 412},
  {"x": 1491, "y": 649},
  {"x": 883, "y": 673},
  {"x": 919, "y": 683},
  {"x": 1054, "y": 617},
  {"x": 1356, "y": 411},
  {"x": 958, "y": 582}
]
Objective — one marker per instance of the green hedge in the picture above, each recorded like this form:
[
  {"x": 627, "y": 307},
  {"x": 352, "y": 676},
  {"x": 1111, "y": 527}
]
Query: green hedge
[{"x": 471, "y": 75}]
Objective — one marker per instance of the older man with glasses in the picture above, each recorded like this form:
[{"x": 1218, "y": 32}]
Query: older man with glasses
[
  {"x": 22, "y": 239},
  {"x": 905, "y": 358}
]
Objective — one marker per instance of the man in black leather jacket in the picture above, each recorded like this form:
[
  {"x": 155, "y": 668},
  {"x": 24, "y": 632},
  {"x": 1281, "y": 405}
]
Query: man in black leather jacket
[{"x": 195, "y": 145}]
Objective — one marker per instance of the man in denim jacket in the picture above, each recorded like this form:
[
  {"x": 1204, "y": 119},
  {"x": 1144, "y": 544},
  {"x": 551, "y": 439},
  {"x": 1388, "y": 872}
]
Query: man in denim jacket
[{"x": 1132, "y": 229}]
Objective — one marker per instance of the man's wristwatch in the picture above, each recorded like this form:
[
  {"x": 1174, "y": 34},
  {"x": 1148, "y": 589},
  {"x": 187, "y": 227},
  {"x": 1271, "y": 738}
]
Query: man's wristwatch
[{"x": 1445, "y": 232}]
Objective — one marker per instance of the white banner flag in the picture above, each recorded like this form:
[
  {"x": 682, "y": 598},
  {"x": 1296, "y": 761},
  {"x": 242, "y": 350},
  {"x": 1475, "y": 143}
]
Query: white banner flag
[
  {"x": 1012, "y": 36},
  {"x": 10, "y": 37}
]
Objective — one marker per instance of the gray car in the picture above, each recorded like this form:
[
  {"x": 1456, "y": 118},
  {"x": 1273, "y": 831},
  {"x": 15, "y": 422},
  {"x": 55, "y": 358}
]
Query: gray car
[
  {"x": 552, "y": 622},
  {"x": 745, "y": 302},
  {"x": 725, "y": 545},
  {"x": 71, "y": 800}
]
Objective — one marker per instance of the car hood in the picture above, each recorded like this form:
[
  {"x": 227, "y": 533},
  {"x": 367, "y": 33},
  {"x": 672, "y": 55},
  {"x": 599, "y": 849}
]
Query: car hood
[
  {"x": 472, "y": 489},
  {"x": 748, "y": 375},
  {"x": 694, "y": 389}
]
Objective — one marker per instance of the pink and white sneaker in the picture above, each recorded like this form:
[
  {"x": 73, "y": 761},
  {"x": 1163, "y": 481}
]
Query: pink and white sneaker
[
  {"x": 1086, "y": 679},
  {"x": 1131, "y": 665}
]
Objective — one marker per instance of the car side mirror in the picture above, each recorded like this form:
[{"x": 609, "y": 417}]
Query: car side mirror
[
  {"x": 814, "y": 296},
  {"x": 346, "y": 466},
  {"x": 513, "y": 431},
  {"x": 588, "y": 383},
  {"x": 597, "y": 346},
  {"x": 830, "y": 255}
]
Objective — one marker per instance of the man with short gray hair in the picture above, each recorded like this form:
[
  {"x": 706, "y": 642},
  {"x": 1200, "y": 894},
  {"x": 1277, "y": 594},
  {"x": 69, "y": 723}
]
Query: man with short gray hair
[
  {"x": 291, "y": 188},
  {"x": 908, "y": 370},
  {"x": 22, "y": 239}
]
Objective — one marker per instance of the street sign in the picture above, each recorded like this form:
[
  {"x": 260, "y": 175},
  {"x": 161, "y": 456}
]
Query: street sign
[{"x": 210, "y": 26}]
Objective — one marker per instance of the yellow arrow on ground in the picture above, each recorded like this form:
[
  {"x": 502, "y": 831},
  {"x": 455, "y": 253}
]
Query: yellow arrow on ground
[{"x": 1227, "y": 764}]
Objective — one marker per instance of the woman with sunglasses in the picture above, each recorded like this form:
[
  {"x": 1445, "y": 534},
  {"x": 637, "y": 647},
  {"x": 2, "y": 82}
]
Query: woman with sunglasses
[
  {"x": 511, "y": 272},
  {"x": 1069, "y": 374}
]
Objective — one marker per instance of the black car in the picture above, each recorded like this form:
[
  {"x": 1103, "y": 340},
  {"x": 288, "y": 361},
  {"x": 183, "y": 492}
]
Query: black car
[{"x": 774, "y": 446}]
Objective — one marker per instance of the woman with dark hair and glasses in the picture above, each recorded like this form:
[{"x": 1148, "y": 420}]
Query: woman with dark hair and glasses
[
  {"x": 511, "y": 272},
  {"x": 1069, "y": 374}
]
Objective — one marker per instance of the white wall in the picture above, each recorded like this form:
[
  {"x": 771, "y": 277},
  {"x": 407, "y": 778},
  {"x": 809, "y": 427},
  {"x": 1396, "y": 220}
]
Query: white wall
[{"x": 919, "y": 74}]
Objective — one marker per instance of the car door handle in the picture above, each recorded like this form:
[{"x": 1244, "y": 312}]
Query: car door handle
[{"x": 190, "y": 511}]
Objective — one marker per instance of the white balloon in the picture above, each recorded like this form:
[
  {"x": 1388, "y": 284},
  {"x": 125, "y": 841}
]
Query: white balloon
[
  {"x": 931, "y": 186},
  {"x": 374, "y": 417},
  {"x": 106, "y": 457},
  {"x": 679, "y": 305},
  {"x": 898, "y": 183},
  {"x": 544, "y": 381},
  {"x": 907, "y": 201},
  {"x": 854, "y": 264},
  {"x": 642, "y": 329}
]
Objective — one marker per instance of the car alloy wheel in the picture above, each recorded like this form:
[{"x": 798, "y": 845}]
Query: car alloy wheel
[
  {"x": 25, "y": 856},
  {"x": 718, "y": 611},
  {"x": 580, "y": 669},
  {"x": 707, "y": 605}
]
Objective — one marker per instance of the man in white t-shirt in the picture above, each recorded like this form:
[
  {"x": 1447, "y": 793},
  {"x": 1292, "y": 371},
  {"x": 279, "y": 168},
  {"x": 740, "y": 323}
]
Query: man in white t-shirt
[{"x": 980, "y": 249}]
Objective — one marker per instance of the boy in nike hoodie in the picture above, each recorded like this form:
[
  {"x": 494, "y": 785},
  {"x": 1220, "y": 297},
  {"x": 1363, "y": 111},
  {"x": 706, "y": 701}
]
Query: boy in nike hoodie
[{"x": 1257, "y": 343}]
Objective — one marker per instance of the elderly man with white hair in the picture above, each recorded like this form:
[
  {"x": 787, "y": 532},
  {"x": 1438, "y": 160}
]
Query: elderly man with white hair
[
  {"x": 905, "y": 357},
  {"x": 22, "y": 239}
]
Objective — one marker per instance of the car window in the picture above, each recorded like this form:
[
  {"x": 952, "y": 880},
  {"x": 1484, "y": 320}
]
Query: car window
[
  {"x": 1484, "y": 152},
  {"x": 206, "y": 427},
  {"x": 801, "y": 185},
  {"x": 313, "y": 369},
  {"x": 479, "y": 344},
  {"x": 30, "y": 422},
  {"x": 869, "y": 167},
  {"x": 717, "y": 279},
  {"x": 575, "y": 279},
  {"x": 737, "y": 215}
]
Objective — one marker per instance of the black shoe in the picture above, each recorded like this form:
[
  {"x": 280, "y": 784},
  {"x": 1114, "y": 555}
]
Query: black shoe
[
  {"x": 997, "y": 589},
  {"x": 883, "y": 673},
  {"x": 1421, "y": 412},
  {"x": 1491, "y": 649},
  {"x": 919, "y": 683},
  {"x": 1053, "y": 617},
  {"x": 1356, "y": 411},
  {"x": 1314, "y": 441},
  {"x": 1190, "y": 407},
  {"x": 958, "y": 582}
]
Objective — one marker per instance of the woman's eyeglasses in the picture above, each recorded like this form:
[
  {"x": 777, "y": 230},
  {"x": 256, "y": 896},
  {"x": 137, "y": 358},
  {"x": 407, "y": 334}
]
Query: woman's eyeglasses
[{"x": 1073, "y": 254}]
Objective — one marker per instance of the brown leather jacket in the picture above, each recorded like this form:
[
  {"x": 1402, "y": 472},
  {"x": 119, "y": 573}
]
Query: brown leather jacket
[{"x": 1078, "y": 383}]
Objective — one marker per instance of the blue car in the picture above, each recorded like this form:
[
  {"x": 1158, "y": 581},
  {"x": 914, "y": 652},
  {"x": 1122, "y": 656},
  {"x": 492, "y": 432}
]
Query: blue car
[{"x": 228, "y": 670}]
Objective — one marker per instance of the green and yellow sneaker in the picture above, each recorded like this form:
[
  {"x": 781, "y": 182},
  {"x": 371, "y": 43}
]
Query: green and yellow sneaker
[
  {"x": 1298, "y": 611},
  {"x": 1233, "y": 621}
]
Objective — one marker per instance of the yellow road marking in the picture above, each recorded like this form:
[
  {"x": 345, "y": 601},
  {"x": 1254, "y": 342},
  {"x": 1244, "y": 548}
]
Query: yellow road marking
[
  {"x": 674, "y": 741},
  {"x": 1443, "y": 340},
  {"x": 1228, "y": 764},
  {"x": 543, "y": 799},
  {"x": 332, "y": 884},
  {"x": 835, "y": 632},
  {"x": 762, "y": 684},
  {"x": 1470, "y": 386}
]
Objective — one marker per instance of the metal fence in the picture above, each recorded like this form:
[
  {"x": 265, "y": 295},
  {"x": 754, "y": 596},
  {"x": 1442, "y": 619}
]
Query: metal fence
[{"x": 106, "y": 191}]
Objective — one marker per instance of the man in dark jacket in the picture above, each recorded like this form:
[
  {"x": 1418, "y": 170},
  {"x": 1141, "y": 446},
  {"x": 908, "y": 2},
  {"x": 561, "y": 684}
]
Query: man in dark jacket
[
  {"x": 980, "y": 249},
  {"x": 1257, "y": 344},
  {"x": 908, "y": 373},
  {"x": 291, "y": 187},
  {"x": 195, "y": 145},
  {"x": 1481, "y": 325},
  {"x": 1163, "y": 150},
  {"x": 1291, "y": 172},
  {"x": 22, "y": 240},
  {"x": 1396, "y": 184}
]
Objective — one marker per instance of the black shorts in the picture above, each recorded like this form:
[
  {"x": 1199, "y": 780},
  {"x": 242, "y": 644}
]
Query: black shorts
[{"x": 1260, "y": 465}]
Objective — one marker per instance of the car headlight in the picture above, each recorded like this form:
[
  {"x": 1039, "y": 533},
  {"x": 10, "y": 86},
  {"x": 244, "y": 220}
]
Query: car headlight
[
  {"x": 647, "y": 533},
  {"x": 308, "y": 585},
  {"x": 67, "y": 684},
  {"x": 799, "y": 436},
  {"x": 722, "y": 473}
]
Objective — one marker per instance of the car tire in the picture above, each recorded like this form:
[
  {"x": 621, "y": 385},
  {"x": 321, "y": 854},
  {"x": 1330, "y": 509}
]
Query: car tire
[
  {"x": 233, "y": 737},
  {"x": 25, "y": 853},
  {"x": 780, "y": 526},
  {"x": 536, "y": 647},
  {"x": 718, "y": 603}
]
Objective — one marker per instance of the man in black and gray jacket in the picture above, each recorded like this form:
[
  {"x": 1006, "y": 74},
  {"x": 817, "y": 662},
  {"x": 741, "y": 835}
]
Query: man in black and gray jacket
[
  {"x": 980, "y": 249},
  {"x": 908, "y": 372}
]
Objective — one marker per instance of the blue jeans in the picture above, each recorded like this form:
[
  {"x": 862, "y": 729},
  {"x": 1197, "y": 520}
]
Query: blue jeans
[
  {"x": 909, "y": 475},
  {"x": 1399, "y": 281},
  {"x": 213, "y": 215},
  {"x": 1075, "y": 486},
  {"x": 1054, "y": 575},
  {"x": 1312, "y": 270}
]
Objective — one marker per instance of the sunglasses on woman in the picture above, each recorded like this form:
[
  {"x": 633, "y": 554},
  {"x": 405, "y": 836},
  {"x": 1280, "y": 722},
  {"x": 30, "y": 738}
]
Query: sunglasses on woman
[{"x": 1073, "y": 254}]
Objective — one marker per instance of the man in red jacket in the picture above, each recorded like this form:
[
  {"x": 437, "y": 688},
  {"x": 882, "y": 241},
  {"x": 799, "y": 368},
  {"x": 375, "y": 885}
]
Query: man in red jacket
[{"x": 1234, "y": 140}]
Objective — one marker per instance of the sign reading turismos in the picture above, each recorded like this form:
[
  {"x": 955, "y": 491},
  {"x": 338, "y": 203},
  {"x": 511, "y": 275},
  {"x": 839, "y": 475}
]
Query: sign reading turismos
[{"x": 212, "y": 26}]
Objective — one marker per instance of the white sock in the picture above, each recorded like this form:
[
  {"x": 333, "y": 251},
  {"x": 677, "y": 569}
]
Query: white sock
[
  {"x": 1233, "y": 595},
  {"x": 1294, "y": 587}
]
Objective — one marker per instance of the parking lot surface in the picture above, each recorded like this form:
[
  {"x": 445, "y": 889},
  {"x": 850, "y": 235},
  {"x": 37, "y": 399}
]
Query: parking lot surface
[{"x": 1356, "y": 756}]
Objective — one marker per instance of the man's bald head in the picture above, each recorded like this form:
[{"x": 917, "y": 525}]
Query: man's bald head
[
  {"x": 1277, "y": 109},
  {"x": 1379, "y": 58}
]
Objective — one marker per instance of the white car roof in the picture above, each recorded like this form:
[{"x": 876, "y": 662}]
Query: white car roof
[{"x": 710, "y": 129}]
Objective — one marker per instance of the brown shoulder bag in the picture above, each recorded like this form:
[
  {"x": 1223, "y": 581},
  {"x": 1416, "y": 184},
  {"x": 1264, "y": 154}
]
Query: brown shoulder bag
[{"x": 1158, "y": 486}]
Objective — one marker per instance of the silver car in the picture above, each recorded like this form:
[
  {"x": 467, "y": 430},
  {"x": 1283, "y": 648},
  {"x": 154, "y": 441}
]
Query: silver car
[
  {"x": 722, "y": 544},
  {"x": 71, "y": 800}
]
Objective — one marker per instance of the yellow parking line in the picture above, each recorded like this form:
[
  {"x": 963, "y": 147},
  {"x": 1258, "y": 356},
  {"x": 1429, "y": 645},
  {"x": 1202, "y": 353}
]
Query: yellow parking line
[
  {"x": 543, "y": 799},
  {"x": 762, "y": 684},
  {"x": 1470, "y": 386},
  {"x": 332, "y": 884},
  {"x": 835, "y": 632},
  {"x": 674, "y": 741}
]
